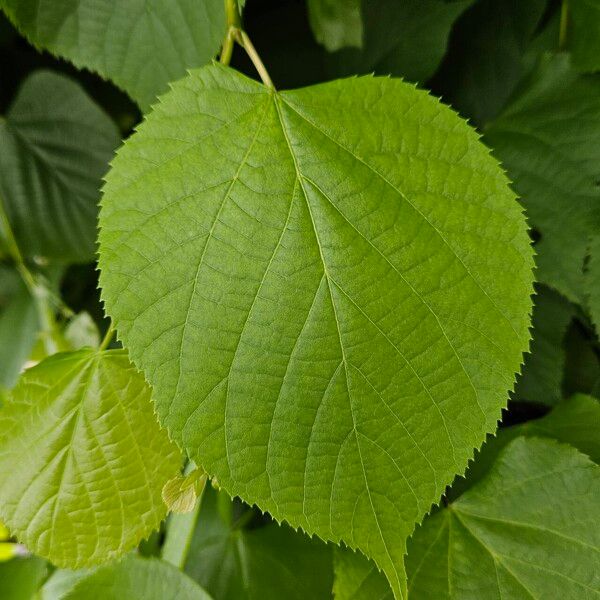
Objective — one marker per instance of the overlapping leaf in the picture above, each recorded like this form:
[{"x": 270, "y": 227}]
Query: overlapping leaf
[
  {"x": 267, "y": 562},
  {"x": 584, "y": 33},
  {"x": 82, "y": 459},
  {"x": 141, "y": 45},
  {"x": 56, "y": 144},
  {"x": 543, "y": 371},
  {"x": 336, "y": 23},
  {"x": 549, "y": 140},
  {"x": 528, "y": 529},
  {"x": 485, "y": 60},
  {"x": 136, "y": 579},
  {"x": 328, "y": 290},
  {"x": 401, "y": 37}
]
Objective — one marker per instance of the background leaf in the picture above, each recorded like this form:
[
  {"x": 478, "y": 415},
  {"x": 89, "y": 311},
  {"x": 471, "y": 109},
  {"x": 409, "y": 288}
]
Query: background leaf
[
  {"x": 82, "y": 459},
  {"x": 312, "y": 307},
  {"x": 235, "y": 558},
  {"x": 486, "y": 56},
  {"x": 336, "y": 23},
  {"x": 584, "y": 34},
  {"x": 140, "y": 45},
  {"x": 529, "y": 528},
  {"x": 401, "y": 37},
  {"x": 56, "y": 144},
  {"x": 357, "y": 578},
  {"x": 549, "y": 141},
  {"x": 136, "y": 579},
  {"x": 542, "y": 376}
]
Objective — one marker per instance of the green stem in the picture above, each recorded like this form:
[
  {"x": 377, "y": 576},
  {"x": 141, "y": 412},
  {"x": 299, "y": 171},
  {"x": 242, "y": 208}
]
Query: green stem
[
  {"x": 564, "y": 25},
  {"x": 245, "y": 42},
  {"x": 232, "y": 15},
  {"x": 38, "y": 291},
  {"x": 110, "y": 332}
]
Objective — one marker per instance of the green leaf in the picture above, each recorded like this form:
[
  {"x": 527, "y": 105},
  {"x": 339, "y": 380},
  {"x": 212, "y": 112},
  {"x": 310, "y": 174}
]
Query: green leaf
[
  {"x": 136, "y": 579},
  {"x": 486, "y": 57},
  {"x": 584, "y": 34},
  {"x": 528, "y": 529},
  {"x": 267, "y": 562},
  {"x": 311, "y": 290},
  {"x": 19, "y": 328},
  {"x": 336, "y": 23},
  {"x": 82, "y": 460},
  {"x": 56, "y": 144},
  {"x": 592, "y": 281},
  {"x": 20, "y": 578},
  {"x": 575, "y": 422},
  {"x": 401, "y": 37},
  {"x": 81, "y": 331},
  {"x": 549, "y": 141},
  {"x": 357, "y": 578},
  {"x": 140, "y": 45},
  {"x": 543, "y": 371}
]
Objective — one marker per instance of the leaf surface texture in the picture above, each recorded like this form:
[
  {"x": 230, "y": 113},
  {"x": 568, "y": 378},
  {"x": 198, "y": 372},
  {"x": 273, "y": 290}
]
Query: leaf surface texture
[
  {"x": 82, "y": 459},
  {"x": 327, "y": 288}
]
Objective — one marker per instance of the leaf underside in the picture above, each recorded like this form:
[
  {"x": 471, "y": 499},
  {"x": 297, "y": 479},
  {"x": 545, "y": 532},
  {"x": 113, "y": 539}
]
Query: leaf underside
[
  {"x": 83, "y": 459},
  {"x": 328, "y": 290}
]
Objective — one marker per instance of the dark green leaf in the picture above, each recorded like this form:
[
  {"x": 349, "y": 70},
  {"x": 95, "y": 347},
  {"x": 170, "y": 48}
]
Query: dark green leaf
[
  {"x": 56, "y": 145},
  {"x": 269, "y": 562},
  {"x": 549, "y": 140},
  {"x": 336, "y": 23},
  {"x": 140, "y": 45}
]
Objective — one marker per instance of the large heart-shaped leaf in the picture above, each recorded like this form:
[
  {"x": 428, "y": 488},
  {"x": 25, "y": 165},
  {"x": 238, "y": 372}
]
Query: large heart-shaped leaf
[
  {"x": 328, "y": 290},
  {"x": 56, "y": 144},
  {"x": 82, "y": 458},
  {"x": 549, "y": 140},
  {"x": 141, "y": 45}
]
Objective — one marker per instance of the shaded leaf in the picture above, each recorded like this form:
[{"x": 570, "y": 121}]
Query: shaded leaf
[
  {"x": 268, "y": 562},
  {"x": 486, "y": 55},
  {"x": 357, "y": 578},
  {"x": 312, "y": 305},
  {"x": 549, "y": 141},
  {"x": 141, "y": 46},
  {"x": 82, "y": 459},
  {"x": 56, "y": 144},
  {"x": 336, "y": 23},
  {"x": 543, "y": 371},
  {"x": 401, "y": 37},
  {"x": 528, "y": 529},
  {"x": 584, "y": 34}
]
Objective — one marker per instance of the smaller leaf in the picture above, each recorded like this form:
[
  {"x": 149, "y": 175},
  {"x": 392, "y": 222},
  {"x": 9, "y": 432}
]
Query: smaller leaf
[
  {"x": 136, "y": 578},
  {"x": 336, "y": 23},
  {"x": 91, "y": 458},
  {"x": 181, "y": 493}
]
